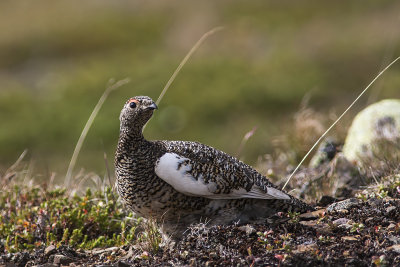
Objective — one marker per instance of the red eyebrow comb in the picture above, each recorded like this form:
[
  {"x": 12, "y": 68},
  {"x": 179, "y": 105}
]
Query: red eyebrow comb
[{"x": 133, "y": 100}]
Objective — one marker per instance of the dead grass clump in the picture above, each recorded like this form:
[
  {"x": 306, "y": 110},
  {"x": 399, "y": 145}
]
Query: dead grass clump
[{"x": 149, "y": 239}]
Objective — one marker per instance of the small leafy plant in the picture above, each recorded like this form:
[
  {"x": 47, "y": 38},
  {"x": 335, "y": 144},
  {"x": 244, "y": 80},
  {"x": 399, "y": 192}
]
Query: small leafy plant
[
  {"x": 33, "y": 217},
  {"x": 357, "y": 227}
]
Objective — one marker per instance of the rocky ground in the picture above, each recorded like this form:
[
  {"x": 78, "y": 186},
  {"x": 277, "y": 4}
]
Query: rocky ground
[{"x": 352, "y": 232}]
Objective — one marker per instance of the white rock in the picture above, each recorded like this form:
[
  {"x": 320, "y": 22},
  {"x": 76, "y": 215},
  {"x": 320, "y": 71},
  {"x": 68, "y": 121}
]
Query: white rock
[{"x": 379, "y": 121}]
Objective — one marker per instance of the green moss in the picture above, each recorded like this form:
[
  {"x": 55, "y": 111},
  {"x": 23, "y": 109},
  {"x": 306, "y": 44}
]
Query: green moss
[{"x": 34, "y": 217}]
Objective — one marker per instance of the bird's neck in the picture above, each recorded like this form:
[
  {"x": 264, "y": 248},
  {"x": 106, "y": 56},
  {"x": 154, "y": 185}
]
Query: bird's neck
[
  {"x": 131, "y": 136},
  {"x": 132, "y": 150}
]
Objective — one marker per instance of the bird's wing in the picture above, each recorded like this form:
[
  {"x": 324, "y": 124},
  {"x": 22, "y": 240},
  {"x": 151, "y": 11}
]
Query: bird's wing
[{"x": 198, "y": 170}]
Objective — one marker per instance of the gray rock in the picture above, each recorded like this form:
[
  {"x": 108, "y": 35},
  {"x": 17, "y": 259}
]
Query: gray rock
[
  {"x": 374, "y": 202},
  {"x": 306, "y": 248},
  {"x": 343, "y": 205},
  {"x": 395, "y": 248},
  {"x": 343, "y": 223},
  {"x": 107, "y": 250},
  {"x": 312, "y": 215},
  {"x": 325, "y": 153},
  {"x": 345, "y": 226},
  {"x": 61, "y": 259},
  {"x": 322, "y": 228},
  {"x": 247, "y": 228},
  {"x": 213, "y": 255},
  {"x": 50, "y": 250},
  {"x": 369, "y": 219},
  {"x": 340, "y": 221},
  {"x": 377, "y": 122},
  {"x": 395, "y": 239},
  {"x": 389, "y": 209}
]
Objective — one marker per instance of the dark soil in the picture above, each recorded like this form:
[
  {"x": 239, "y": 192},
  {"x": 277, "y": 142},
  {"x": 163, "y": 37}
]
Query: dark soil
[{"x": 355, "y": 233}]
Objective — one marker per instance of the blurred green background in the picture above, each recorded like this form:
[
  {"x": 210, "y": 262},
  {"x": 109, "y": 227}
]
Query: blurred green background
[{"x": 56, "y": 58}]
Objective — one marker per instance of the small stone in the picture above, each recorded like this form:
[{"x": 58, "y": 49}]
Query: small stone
[
  {"x": 248, "y": 229},
  {"x": 61, "y": 259},
  {"x": 395, "y": 248},
  {"x": 192, "y": 262},
  {"x": 323, "y": 228},
  {"x": 389, "y": 209},
  {"x": 349, "y": 238},
  {"x": 49, "y": 250},
  {"x": 369, "y": 219},
  {"x": 341, "y": 221},
  {"x": 184, "y": 254},
  {"x": 213, "y": 255},
  {"x": 345, "y": 226},
  {"x": 107, "y": 250},
  {"x": 344, "y": 211},
  {"x": 309, "y": 223},
  {"x": 313, "y": 214},
  {"x": 395, "y": 239},
  {"x": 304, "y": 248},
  {"x": 325, "y": 153},
  {"x": 374, "y": 202},
  {"x": 343, "y": 205}
]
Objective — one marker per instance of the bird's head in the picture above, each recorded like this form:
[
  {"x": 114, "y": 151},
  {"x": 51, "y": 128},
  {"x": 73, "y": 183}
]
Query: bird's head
[{"x": 136, "y": 112}]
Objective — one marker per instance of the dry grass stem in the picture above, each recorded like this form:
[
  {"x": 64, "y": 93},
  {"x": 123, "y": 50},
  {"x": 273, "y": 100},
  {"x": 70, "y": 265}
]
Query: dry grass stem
[
  {"x": 245, "y": 138},
  {"x": 185, "y": 59},
  {"x": 183, "y": 62},
  {"x": 337, "y": 120},
  {"x": 89, "y": 123}
]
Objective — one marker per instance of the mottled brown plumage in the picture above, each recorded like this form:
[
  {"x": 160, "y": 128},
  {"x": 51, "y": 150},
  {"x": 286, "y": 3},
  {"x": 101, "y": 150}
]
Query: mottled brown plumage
[{"x": 181, "y": 183}]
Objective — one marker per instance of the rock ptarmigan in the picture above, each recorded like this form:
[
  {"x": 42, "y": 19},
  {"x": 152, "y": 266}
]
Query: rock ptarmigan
[{"x": 180, "y": 183}]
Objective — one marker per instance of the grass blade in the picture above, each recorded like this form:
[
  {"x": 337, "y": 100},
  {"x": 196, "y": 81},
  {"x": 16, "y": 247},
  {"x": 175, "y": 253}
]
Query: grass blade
[
  {"x": 183, "y": 62},
  {"x": 88, "y": 124},
  {"x": 185, "y": 59},
  {"x": 245, "y": 138}
]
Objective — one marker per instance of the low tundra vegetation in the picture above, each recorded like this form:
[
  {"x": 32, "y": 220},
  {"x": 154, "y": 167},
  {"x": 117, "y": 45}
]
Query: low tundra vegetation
[{"x": 36, "y": 216}]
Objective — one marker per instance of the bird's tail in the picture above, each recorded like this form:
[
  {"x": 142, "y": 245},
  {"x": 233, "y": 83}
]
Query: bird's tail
[{"x": 294, "y": 205}]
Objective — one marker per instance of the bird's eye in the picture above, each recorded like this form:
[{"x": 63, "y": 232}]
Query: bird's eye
[{"x": 132, "y": 105}]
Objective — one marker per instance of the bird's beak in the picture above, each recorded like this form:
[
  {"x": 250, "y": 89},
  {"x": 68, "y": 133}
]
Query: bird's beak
[{"x": 152, "y": 106}]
